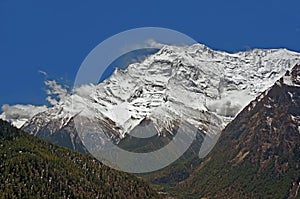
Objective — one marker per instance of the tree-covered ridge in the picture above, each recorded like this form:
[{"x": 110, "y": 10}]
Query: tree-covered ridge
[
  {"x": 258, "y": 153},
  {"x": 33, "y": 168}
]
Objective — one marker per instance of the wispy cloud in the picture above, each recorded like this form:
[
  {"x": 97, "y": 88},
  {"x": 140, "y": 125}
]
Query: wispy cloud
[
  {"x": 55, "y": 91},
  {"x": 43, "y": 73},
  {"x": 154, "y": 44},
  {"x": 150, "y": 43},
  {"x": 18, "y": 114}
]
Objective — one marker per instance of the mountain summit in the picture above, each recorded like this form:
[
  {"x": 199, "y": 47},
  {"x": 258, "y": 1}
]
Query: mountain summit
[{"x": 195, "y": 84}]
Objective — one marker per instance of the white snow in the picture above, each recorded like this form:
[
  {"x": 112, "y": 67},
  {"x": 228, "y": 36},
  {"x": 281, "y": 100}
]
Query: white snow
[
  {"x": 296, "y": 120},
  {"x": 288, "y": 81},
  {"x": 269, "y": 121},
  {"x": 204, "y": 87},
  {"x": 120, "y": 113},
  {"x": 267, "y": 106}
]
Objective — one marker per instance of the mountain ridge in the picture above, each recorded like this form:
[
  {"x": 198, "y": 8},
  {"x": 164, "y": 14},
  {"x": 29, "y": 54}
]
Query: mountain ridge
[
  {"x": 33, "y": 168},
  {"x": 206, "y": 88},
  {"x": 257, "y": 155}
]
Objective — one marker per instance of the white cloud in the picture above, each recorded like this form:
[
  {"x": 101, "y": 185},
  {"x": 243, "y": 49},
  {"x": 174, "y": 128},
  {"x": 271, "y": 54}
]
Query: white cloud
[
  {"x": 231, "y": 104},
  {"x": 55, "y": 89},
  {"x": 224, "y": 107},
  {"x": 18, "y": 114},
  {"x": 151, "y": 43},
  {"x": 43, "y": 73},
  {"x": 84, "y": 90}
]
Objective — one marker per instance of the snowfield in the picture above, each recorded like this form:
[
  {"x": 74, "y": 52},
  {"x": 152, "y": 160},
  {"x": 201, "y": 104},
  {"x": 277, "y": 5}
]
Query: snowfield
[{"x": 195, "y": 84}]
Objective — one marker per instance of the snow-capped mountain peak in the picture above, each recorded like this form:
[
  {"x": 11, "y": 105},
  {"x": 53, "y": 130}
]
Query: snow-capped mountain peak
[{"x": 201, "y": 86}]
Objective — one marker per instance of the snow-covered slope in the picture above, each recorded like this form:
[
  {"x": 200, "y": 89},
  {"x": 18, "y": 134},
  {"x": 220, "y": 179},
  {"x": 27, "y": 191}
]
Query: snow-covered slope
[{"x": 195, "y": 84}]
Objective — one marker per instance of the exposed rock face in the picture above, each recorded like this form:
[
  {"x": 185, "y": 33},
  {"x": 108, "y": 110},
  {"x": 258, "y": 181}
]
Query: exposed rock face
[
  {"x": 196, "y": 84},
  {"x": 258, "y": 153}
]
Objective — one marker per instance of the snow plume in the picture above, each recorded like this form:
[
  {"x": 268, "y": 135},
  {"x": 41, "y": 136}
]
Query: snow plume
[
  {"x": 18, "y": 114},
  {"x": 55, "y": 92}
]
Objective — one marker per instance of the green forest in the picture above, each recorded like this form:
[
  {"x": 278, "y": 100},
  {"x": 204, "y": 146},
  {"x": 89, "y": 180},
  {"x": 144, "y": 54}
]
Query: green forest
[{"x": 33, "y": 168}]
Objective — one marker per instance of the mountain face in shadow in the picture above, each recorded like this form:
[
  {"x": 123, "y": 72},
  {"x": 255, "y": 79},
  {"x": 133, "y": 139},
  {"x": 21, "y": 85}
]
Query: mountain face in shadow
[{"x": 258, "y": 153}]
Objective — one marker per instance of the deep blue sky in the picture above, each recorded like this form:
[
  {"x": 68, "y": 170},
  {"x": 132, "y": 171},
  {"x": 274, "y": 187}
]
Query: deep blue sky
[{"x": 55, "y": 36}]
